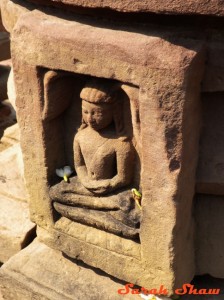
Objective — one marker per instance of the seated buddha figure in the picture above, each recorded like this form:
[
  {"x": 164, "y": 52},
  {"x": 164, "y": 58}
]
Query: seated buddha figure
[{"x": 99, "y": 195}]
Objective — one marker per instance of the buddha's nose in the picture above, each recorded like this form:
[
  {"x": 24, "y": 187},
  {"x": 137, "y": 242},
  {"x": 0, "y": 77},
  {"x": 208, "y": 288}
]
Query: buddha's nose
[{"x": 90, "y": 118}]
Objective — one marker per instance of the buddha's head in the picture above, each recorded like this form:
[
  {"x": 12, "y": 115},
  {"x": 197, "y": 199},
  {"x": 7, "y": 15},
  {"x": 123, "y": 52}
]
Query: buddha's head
[{"x": 100, "y": 104}]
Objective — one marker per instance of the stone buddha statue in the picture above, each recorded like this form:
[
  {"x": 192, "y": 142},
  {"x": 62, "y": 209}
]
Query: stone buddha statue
[{"x": 100, "y": 194}]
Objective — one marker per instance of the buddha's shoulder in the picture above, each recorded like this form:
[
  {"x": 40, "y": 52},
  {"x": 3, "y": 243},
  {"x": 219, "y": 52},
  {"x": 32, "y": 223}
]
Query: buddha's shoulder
[
  {"x": 81, "y": 134},
  {"x": 124, "y": 142}
]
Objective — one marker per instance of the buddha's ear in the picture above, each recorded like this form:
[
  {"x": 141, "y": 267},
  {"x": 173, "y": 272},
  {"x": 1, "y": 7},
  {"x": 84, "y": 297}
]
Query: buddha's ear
[
  {"x": 83, "y": 125},
  {"x": 58, "y": 89}
]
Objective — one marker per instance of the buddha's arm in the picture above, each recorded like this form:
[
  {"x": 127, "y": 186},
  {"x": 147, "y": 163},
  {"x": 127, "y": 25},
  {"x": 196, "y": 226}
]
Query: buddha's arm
[
  {"x": 96, "y": 186},
  {"x": 124, "y": 159},
  {"x": 124, "y": 162},
  {"x": 124, "y": 156},
  {"x": 80, "y": 166}
]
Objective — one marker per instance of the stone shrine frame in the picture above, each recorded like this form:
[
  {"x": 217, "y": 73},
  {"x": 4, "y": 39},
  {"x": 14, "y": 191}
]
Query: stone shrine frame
[{"x": 166, "y": 91}]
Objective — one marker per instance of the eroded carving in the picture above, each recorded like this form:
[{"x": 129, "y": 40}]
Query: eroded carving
[{"x": 100, "y": 194}]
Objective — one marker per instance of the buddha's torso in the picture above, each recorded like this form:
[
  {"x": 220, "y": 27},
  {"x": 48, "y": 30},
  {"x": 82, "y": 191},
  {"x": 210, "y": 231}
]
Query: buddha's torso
[{"x": 99, "y": 153}]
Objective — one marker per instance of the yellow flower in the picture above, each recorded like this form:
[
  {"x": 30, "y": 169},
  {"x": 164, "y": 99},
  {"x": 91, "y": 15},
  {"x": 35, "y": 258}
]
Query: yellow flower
[
  {"x": 64, "y": 172},
  {"x": 137, "y": 196}
]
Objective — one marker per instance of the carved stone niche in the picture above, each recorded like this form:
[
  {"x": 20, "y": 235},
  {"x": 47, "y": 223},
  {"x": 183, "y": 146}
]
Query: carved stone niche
[
  {"x": 156, "y": 81},
  {"x": 104, "y": 153}
]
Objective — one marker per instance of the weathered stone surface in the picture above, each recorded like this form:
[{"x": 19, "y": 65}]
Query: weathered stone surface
[
  {"x": 38, "y": 272},
  {"x": 212, "y": 7},
  {"x": 16, "y": 229},
  {"x": 114, "y": 262},
  {"x": 166, "y": 131},
  {"x": 10, "y": 12},
  {"x": 11, "y": 173},
  {"x": 210, "y": 174},
  {"x": 99, "y": 238},
  {"x": 11, "y": 136},
  {"x": 7, "y": 84},
  {"x": 209, "y": 211},
  {"x": 212, "y": 38}
]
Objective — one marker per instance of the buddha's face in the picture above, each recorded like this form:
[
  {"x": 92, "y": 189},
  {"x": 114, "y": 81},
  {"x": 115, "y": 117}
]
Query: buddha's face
[{"x": 97, "y": 116}]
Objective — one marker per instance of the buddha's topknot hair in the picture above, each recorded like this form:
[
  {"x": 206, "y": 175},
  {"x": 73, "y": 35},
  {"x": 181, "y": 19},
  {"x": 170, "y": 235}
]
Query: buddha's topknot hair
[{"x": 100, "y": 91}]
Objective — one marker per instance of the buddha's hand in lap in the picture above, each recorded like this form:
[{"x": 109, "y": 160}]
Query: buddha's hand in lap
[{"x": 99, "y": 187}]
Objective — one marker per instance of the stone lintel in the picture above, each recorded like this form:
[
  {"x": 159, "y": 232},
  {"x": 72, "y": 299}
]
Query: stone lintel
[{"x": 213, "y": 78}]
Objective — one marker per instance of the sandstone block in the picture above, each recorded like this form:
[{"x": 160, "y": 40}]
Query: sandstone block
[
  {"x": 38, "y": 272},
  {"x": 16, "y": 229},
  {"x": 213, "y": 7},
  {"x": 11, "y": 136},
  {"x": 10, "y": 11},
  {"x": 11, "y": 173},
  {"x": 163, "y": 96},
  {"x": 212, "y": 39}
]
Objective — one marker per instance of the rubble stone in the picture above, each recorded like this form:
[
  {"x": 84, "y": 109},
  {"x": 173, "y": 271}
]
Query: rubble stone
[
  {"x": 11, "y": 173},
  {"x": 41, "y": 273},
  {"x": 10, "y": 12},
  {"x": 16, "y": 229}
]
